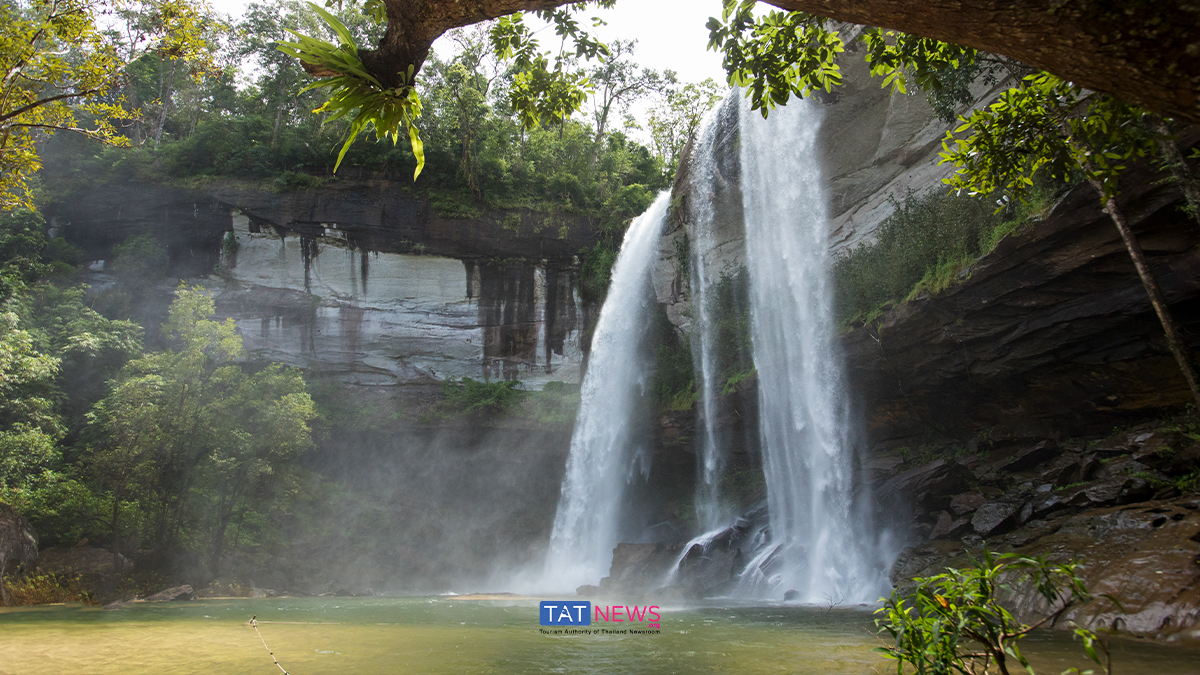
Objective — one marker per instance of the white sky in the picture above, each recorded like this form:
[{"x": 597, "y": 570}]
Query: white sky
[{"x": 670, "y": 33}]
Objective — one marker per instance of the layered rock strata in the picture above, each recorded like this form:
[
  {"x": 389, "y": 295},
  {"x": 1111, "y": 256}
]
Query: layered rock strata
[{"x": 358, "y": 280}]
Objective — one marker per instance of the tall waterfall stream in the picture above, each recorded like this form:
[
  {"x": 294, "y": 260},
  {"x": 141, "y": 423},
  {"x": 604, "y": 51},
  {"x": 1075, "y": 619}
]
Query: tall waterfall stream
[
  {"x": 600, "y": 462},
  {"x": 806, "y": 430}
]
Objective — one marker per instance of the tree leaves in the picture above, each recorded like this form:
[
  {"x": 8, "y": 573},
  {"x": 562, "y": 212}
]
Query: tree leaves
[
  {"x": 1046, "y": 124},
  {"x": 955, "y": 623},
  {"x": 775, "y": 56},
  {"x": 61, "y": 62},
  {"x": 356, "y": 94}
]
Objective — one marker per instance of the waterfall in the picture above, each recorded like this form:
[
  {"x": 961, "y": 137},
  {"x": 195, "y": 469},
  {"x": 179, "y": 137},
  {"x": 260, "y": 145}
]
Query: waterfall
[
  {"x": 825, "y": 546},
  {"x": 702, "y": 175},
  {"x": 600, "y": 463}
]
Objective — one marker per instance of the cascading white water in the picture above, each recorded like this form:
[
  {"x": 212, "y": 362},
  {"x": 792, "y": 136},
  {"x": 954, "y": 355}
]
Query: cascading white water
[
  {"x": 804, "y": 422},
  {"x": 600, "y": 463},
  {"x": 709, "y": 512}
]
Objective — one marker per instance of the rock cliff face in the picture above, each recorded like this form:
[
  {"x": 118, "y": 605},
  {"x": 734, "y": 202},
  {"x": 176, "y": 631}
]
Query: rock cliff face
[
  {"x": 361, "y": 281},
  {"x": 1045, "y": 340},
  {"x": 1052, "y": 334}
]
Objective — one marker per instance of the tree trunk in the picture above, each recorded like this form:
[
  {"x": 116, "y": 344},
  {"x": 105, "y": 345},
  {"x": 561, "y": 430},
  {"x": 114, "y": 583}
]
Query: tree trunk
[
  {"x": 165, "y": 99},
  {"x": 279, "y": 111},
  {"x": 116, "y": 514},
  {"x": 1175, "y": 341}
]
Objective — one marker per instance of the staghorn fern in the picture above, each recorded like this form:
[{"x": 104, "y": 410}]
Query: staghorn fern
[{"x": 356, "y": 94}]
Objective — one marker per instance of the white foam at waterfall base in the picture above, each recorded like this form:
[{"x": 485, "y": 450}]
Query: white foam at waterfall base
[
  {"x": 828, "y": 544},
  {"x": 600, "y": 462}
]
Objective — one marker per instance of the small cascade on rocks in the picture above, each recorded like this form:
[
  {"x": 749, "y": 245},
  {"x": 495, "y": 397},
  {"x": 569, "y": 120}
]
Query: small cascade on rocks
[
  {"x": 601, "y": 463},
  {"x": 821, "y": 544}
]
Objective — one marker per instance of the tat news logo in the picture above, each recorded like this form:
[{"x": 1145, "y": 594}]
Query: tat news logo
[{"x": 573, "y": 613}]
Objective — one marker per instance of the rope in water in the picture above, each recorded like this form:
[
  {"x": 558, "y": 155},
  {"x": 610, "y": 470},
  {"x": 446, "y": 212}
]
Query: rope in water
[{"x": 254, "y": 624}]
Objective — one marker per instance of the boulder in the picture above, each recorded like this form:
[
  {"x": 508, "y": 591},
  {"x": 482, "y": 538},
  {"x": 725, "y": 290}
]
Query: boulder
[
  {"x": 1172, "y": 453},
  {"x": 948, "y": 526},
  {"x": 1110, "y": 491},
  {"x": 183, "y": 592},
  {"x": 708, "y": 570},
  {"x": 1027, "y": 458},
  {"x": 639, "y": 567},
  {"x": 929, "y": 484},
  {"x": 87, "y": 560},
  {"x": 675, "y": 594},
  {"x": 995, "y": 518},
  {"x": 587, "y": 591},
  {"x": 18, "y": 546},
  {"x": 966, "y": 503}
]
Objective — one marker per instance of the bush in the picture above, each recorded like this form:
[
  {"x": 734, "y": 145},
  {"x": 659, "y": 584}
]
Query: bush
[
  {"x": 924, "y": 232},
  {"x": 929, "y": 243},
  {"x": 954, "y": 622},
  {"x": 475, "y": 398},
  {"x": 42, "y": 589}
]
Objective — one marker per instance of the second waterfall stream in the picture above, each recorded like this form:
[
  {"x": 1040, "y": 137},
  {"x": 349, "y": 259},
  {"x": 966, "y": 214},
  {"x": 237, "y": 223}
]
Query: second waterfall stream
[{"x": 826, "y": 541}]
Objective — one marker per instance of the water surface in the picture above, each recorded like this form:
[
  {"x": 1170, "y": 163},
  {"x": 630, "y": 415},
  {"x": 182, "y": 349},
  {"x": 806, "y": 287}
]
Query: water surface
[{"x": 446, "y": 635}]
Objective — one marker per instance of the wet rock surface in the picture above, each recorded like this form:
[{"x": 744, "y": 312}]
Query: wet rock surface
[
  {"x": 1135, "y": 534},
  {"x": 88, "y": 560}
]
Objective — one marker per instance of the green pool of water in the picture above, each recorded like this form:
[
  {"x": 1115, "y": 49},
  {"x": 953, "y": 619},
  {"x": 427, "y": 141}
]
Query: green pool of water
[{"x": 436, "y": 635}]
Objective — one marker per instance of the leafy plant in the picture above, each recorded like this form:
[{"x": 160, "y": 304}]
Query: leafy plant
[
  {"x": 955, "y": 623},
  {"x": 355, "y": 93},
  {"x": 776, "y": 55},
  {"x": 474, "y": 397},
  {"x": 41, "y": 589}
]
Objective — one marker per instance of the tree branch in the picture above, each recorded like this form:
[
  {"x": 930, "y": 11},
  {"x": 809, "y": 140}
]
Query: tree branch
[{"x": 1141, "y": 52}]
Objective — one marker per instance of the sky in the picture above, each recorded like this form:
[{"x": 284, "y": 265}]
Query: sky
[{"x": 670, "y": 33}]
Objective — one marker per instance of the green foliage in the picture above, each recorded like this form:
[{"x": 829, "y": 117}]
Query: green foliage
[
  {"x": 556, "y": 403},
  {"x": 25, "y": 452},
  {"x": 597, "y": 261},
  {"x": 196, "y": 442},
  {"x": 140, "y": 258},
  {"x": 26, "y": 377},
  {"x": 924, "y": 247},
  {"x": 1051, "y": 126},
  {"x": 945, "y": 72},
  {"x": 775, "y": 55},
  {"x": 729, "y": 313},
  {"x": 955, "y": 623},
  {"x": 674, "y": 386},
  {"x": 468, "y": 397},
  {"x": 675, "y": 119},
  {"x": 21, "y": 241},
  {"x": 62, "y": 64},
  {"x": 356, "y": 94},
  {"x": 42, "y": 589},
  {"x": 544, "y": 95}
]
